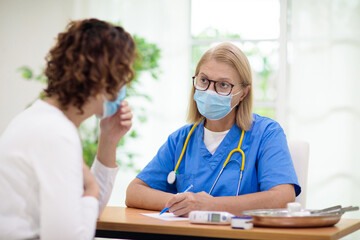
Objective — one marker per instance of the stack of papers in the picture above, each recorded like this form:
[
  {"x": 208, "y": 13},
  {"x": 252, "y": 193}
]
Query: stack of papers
[{"x": 166, "y": 216}]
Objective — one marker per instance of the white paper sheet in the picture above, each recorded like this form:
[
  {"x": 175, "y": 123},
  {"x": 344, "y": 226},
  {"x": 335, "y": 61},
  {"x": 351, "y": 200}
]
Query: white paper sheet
[{"x": 165, "y": 216}]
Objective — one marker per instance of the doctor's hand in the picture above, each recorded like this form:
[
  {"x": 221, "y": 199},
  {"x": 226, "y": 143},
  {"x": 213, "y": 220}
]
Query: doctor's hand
[{"x": 183, "y": 203}]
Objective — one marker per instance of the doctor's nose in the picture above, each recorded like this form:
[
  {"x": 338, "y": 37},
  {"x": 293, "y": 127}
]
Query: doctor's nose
[{"x": 212, "y": 86}]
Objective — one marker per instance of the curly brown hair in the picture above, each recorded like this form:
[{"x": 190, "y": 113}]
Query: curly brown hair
[{"x": 89, "y": 57}]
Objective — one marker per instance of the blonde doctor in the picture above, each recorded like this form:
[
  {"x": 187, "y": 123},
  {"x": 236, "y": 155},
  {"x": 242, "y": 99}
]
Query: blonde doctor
[{"x": 234, "y": 159}]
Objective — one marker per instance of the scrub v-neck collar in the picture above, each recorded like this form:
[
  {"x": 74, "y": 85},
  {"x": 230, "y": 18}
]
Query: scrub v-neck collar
[{"x": 223, "y": 149}]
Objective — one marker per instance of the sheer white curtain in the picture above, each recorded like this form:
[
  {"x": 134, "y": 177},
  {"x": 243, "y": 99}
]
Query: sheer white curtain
[
  {"x": 323, "y": 96},
  {"x": 165, "y": 23}
]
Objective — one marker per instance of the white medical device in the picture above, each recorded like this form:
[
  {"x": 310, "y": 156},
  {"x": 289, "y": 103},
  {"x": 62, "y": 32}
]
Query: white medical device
[
  {"x": 210, "y": 217},
  {"x": 242, "y": 223}
]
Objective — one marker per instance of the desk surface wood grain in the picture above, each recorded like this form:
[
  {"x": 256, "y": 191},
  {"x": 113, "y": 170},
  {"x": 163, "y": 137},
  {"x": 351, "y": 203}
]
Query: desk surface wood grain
[{"x": 130, "y": 220}]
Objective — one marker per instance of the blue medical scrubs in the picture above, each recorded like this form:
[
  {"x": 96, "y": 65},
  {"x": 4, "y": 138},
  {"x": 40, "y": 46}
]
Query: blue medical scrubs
[{"x": 267, "y": 161}]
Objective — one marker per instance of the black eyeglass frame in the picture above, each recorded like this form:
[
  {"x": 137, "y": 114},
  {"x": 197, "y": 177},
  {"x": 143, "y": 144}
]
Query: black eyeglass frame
[{"x": 210, "y": 81}]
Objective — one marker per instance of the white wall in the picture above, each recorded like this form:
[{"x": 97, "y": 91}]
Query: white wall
[
  {"x": 324, "y": 99},
  {"x": 27, "y": 31}
]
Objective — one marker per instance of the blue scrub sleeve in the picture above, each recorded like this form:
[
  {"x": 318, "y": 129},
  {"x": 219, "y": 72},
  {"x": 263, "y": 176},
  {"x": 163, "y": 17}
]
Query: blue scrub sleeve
[
  {"x": 275, "y": 165},
  {"x": 156, "y": 172}
]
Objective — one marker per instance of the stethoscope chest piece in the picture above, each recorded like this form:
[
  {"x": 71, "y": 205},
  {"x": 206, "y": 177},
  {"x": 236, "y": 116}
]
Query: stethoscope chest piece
[{"x": 171, "y": 177}]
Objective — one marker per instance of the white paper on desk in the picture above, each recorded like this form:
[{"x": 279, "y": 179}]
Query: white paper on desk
[{"x": 165, "y": 216}]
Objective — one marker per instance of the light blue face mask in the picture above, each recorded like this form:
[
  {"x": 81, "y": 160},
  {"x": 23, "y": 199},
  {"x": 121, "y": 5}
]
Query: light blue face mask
[
  {"x": 111, "y": 107},
  {"x": 212, "y": 105}
]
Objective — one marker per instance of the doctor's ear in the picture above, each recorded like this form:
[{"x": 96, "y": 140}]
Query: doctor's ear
[{"x": 245, "y": 92}]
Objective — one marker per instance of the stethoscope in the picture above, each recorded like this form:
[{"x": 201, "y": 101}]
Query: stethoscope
[{"x": 172, "y": 175}]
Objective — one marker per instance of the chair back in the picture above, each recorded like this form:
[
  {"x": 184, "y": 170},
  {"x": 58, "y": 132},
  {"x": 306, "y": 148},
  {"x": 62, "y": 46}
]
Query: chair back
[{"x": 299, "y": 151}]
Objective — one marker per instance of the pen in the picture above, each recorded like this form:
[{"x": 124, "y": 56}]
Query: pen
[{"x": 186, "y": 190}]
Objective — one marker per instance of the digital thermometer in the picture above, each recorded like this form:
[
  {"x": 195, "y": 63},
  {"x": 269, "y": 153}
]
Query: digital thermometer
[{"x": 210, "y": 217}]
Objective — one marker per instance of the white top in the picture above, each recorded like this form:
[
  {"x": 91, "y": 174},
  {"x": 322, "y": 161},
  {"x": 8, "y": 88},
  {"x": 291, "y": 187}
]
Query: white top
[
  {"x": 213, "y": 139},
  {"x": 41, "y": 178}
]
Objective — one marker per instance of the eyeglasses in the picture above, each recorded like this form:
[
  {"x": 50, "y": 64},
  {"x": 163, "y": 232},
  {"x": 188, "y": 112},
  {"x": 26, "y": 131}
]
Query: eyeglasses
[{"x": 221, "y": 87}]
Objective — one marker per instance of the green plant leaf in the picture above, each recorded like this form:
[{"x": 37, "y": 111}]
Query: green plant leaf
[
  {"x": 133, "y": 134},
  {"x": 26, "y": 72}
]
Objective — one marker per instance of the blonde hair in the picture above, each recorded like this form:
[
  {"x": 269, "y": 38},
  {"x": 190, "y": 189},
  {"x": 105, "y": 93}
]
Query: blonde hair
[{"x": 230, "y": 54}]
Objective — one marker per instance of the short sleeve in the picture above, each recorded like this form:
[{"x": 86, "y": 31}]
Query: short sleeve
[
  {"x": 156, "y": 172},
  {"x": 275, "y": 165}
]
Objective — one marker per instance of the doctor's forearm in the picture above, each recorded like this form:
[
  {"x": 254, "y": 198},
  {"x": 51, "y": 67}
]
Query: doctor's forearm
[
  {"x": 277, "y": 197},
  {"x": 140, "y": 195}
]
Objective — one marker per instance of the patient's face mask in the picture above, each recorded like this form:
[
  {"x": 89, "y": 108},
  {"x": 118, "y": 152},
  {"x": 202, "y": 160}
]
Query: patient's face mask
[
  {"x": 111, "y": 107},
  {"x": 212, "y": 105}
]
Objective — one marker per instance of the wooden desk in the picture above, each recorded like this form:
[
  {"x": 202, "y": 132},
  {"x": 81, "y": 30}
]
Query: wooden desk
[{"x": 120, "y": 222}]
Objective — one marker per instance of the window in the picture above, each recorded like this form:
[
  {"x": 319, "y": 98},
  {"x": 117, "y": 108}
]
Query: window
[{"x": 252, "y": 25}]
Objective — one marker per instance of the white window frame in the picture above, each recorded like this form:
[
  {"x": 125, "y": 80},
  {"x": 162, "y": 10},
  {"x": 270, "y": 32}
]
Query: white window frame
[{"x": 280, "y": 103}]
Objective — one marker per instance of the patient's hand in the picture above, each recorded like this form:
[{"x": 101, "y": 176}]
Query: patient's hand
[
  {"x": 112, "y": 129},
  {"x": 91, "y": 187},
  {"x": 115, "y": 127}
]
